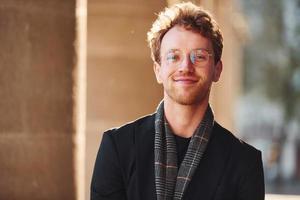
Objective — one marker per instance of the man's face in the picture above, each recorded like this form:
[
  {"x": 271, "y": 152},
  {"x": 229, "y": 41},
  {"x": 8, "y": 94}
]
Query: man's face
[{"x": 185, "y": 74}]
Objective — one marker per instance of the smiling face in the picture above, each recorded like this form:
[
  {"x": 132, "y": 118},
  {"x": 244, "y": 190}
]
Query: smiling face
[{"x": 186, "y": 82}]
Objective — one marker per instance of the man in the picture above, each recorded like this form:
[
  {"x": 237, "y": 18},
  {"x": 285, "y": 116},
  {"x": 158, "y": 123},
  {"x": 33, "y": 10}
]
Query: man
[{"x": 179, "y": 152}]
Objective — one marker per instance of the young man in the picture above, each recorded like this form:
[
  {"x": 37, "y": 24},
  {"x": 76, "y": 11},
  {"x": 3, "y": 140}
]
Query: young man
[{"x": 179, "y": 152}]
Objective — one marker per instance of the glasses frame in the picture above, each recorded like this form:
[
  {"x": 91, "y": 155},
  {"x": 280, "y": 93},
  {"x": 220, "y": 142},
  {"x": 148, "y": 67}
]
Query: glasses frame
[{"x": 191, "y": 55}]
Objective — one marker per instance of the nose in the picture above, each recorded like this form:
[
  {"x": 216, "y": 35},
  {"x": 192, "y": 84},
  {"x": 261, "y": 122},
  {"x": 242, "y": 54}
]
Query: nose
[{"x": 186, "y": 64}]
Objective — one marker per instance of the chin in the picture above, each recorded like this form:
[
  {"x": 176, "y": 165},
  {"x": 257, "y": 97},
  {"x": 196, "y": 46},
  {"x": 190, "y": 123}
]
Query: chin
[
  {"x": 189, "y": 100},
  {"x": 188, "y": 97}
]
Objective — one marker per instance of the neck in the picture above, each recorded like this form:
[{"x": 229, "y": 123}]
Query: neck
[{"x": 184, "y": 119}]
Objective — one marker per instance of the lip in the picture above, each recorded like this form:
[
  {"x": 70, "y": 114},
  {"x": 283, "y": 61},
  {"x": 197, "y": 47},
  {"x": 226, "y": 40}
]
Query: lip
[{"x": 186, "y": 80}]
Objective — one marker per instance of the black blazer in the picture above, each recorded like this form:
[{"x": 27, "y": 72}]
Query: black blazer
[{"x": 230, "y": 169}]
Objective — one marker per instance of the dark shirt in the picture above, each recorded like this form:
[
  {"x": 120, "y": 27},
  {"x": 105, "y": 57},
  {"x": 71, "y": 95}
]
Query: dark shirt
[{"x": 181, "y": 147}]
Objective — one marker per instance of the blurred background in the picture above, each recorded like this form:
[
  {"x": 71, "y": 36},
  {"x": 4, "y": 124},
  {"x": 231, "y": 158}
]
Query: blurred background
[{"x": 71, "y": 69}]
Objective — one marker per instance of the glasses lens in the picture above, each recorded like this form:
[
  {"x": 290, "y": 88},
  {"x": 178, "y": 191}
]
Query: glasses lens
[
  {"x": 199, "y": 57},
  {"x": 173, "y": 57}
]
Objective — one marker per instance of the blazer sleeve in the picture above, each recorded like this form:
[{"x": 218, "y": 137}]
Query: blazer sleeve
[
  {"x": 252, "y": 185},
  {"x": 107, "y": 182}
]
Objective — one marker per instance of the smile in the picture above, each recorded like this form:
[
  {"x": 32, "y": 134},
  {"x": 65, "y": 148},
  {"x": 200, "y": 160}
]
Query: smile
[{"x": 186, "y": 80}]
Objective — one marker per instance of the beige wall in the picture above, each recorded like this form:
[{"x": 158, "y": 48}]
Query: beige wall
[
  {"x": 120, "y": 82},
  {"x": 37, "y": 59}
]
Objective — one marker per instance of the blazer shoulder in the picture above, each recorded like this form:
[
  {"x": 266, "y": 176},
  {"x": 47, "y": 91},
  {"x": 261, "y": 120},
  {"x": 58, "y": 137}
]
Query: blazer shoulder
[
  {"x": 238, "y": 145},
  {"x": 124, "y": 140},
  {"x": 242, "y": 156},
  {"x": 127, "y": 130},
  {"x": 243, "y": 169}
]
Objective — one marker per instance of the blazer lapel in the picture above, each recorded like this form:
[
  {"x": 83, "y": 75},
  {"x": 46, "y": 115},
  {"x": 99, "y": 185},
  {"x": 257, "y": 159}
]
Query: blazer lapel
[
  {"x": 209, "y": 173},
  {"x": 144, "y": 134}
]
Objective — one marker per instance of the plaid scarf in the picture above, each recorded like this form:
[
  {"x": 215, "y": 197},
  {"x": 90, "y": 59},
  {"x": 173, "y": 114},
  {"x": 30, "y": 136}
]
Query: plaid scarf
[{"x": 170, "y": 181}]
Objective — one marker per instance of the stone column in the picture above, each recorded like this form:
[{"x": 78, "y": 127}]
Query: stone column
[{"x": 38, "y": 99}]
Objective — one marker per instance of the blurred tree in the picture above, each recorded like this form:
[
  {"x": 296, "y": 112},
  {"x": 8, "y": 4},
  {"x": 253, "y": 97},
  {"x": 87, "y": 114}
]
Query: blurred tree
[
  {"x": 272, "y": 61},
  {"x": 272, "y": 72}
]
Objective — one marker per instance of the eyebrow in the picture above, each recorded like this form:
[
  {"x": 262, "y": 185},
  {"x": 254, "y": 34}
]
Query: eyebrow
[
  {"x": 173, "y": 50},
  {"x": 200, "y": 48}
]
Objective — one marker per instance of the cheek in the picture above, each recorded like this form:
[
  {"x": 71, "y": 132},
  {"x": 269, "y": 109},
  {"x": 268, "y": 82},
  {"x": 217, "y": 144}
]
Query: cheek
[
  {"x": 163, "y": 73},
  {"x": 203, "y": 72},
  {"x": 209, "y": 72},
  {"x": 162, "y": 76}
]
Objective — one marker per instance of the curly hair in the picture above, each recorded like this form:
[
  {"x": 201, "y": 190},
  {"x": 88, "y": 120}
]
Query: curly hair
[{"x": 189, "y": 16}]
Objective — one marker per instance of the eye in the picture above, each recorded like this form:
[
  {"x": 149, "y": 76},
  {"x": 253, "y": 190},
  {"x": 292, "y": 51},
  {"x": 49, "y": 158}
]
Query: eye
[
  {"x": 172, "y": 57},
  {"x": 199, "y": 56}
]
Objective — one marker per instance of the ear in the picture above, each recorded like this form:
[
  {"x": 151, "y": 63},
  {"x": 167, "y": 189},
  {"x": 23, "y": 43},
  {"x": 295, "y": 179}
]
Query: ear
[
  {"x": 157, "y": 68},
  {"x": 217, "y": 71}
]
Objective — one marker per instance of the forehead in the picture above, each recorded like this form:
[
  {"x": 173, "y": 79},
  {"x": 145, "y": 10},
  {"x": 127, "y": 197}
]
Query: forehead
[{"x": 180, "y": 38}]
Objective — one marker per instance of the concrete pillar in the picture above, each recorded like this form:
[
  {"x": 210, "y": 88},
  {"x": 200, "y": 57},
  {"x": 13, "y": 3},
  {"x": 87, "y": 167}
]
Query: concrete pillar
[
  {"x": 37, "y": 99},
  {"x": 121, "y": 85}
]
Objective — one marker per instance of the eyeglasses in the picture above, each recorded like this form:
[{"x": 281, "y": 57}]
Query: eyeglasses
[{"x": 198, "y": 57}]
